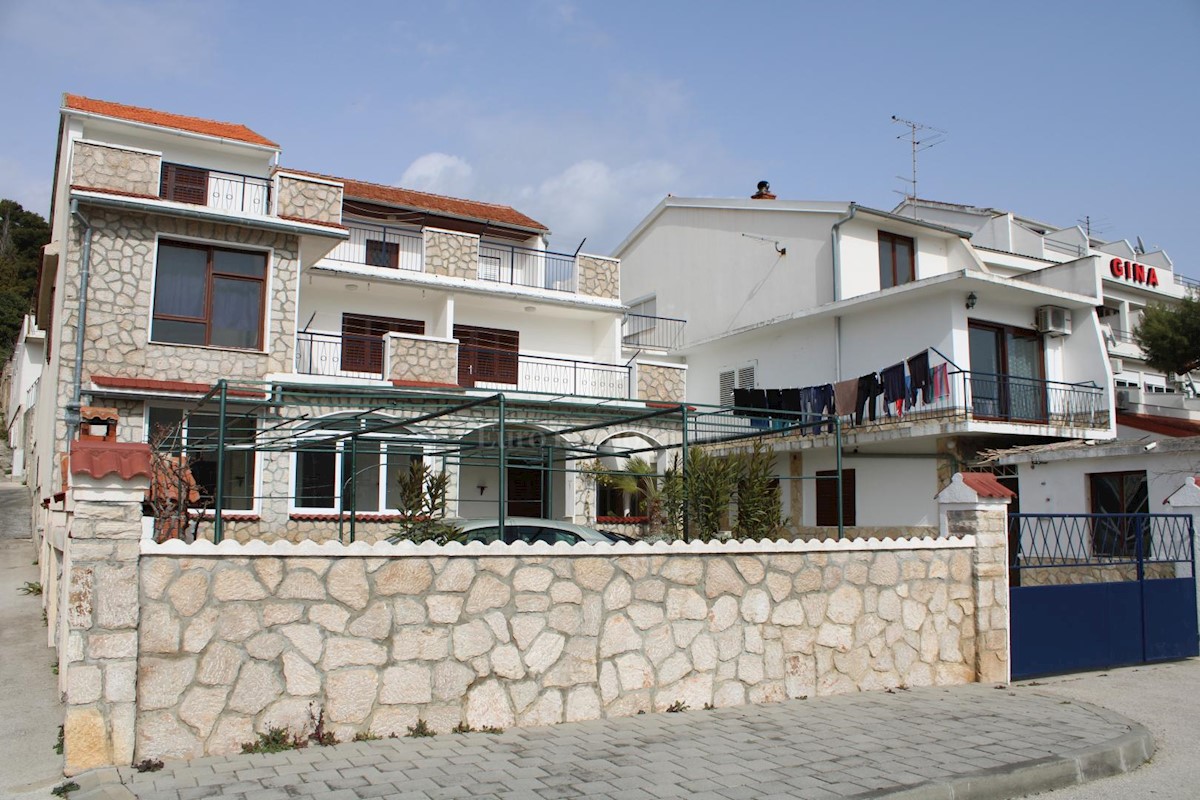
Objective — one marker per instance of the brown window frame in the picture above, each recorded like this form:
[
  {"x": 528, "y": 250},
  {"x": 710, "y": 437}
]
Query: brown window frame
[
  {"x": 383, "y": 254},
  {"x": 1116, "y": 536},
  {"x": 184, "y": 184},
  {"x": 892, "y": 239},
  {"x": 826, "y": 498},
  {"x": 1004, "y": 392},
  {"x": 491, "y": 355},
  {"x": 362, "y": 339},
  {"x": 210, "y": 275}
]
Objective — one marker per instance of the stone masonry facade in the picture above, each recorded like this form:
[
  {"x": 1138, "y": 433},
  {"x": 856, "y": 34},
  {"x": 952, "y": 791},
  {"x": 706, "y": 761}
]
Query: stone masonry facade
[
  {"x": 103, "y": 166},
  {"x": 660, "y": 383},
  {"x": 232, "y": 643},
  {"x": 421, "y": 359},
  {"x": 455, "y": 255},
  {"x": 319, "y": 201},
  {"x": 599, "y": 276}
]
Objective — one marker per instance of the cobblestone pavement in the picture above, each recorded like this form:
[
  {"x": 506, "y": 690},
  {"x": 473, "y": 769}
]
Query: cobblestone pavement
[{"x": 863, "y": 745}]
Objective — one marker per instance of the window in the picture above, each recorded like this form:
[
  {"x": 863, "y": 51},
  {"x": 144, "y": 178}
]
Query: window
[
  {"x": 209, "y": 296},
  {"x": 736, "y": 378},
  {"x": 1006, "y": 373},
  {"x": 362, "y": 339},
  {"x": 196, "y": 435},
  {"x": 184, "y": 184},
  {"x": 383, "y": 254},
  {"x": 487, "y": 355},
  {"x": 897, "y": 264},
  {"x": 362, "y": 476},
  {"x": 827, "y": 498},
  {"x": 1119, "y": 493}
]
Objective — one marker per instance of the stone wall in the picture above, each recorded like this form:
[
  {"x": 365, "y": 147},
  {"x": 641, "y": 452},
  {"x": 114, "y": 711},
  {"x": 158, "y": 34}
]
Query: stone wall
[
  {"x": 661, "y": 383},
  {"x": 807, "y": 532},
  {"x": 599, "y": 276},
  {"x": 104, "y": 166},
  {"x": 455, "y": 255},
  {"x": 304, "y": 198},
  {"x": 235, "y": 639},
  {"x": 422, "y": 359},
  {"x": 120, "y": 305},
  {"x": 1045, "y": 573}
]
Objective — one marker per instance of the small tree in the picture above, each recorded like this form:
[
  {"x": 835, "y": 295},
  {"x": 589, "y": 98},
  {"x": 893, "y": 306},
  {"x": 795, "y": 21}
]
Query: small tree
[
  {"x": 711, "y": 483},
  {"x": 759, "y": 504},
  {"x": 1170, "y": 336},
  {"x": 422, "y": 504}
]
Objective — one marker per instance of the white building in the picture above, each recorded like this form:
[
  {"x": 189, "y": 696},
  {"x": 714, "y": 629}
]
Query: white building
[
  {"x": 785, "y": 294},
  {"x": 26, "y": 368}
]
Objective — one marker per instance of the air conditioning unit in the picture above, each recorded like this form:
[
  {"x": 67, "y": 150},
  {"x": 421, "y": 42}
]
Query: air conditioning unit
[
  {"x": 1118, "y": 365},
  {"x": 1053, "y": 321}
]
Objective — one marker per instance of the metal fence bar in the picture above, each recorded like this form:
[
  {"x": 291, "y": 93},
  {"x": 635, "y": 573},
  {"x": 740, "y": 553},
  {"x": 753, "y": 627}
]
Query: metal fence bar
[
  {"x": 527, "y": 266},
  {"x": 1044, "y": 541},
  {"x": 382, "y": 246},
  {"x": 660, "y": 333},
  {"x": 326, "y": 354}
]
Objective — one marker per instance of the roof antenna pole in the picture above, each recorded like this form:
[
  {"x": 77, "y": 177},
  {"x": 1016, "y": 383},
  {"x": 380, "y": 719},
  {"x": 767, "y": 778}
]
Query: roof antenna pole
[{"x": 934, "y": 136}]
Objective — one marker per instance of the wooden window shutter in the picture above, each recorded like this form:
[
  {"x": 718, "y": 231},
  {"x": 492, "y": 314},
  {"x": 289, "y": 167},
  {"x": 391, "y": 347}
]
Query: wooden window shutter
[
  {"x": 827, "y": 498},
  {"x": 184, "y": 184}
]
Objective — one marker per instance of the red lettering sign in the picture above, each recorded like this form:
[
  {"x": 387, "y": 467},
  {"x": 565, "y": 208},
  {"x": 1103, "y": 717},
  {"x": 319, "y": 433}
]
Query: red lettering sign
[{"x": 1130, "y": 271}]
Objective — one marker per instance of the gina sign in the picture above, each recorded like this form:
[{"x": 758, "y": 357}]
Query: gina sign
[{"x": 1138, "y": 273}]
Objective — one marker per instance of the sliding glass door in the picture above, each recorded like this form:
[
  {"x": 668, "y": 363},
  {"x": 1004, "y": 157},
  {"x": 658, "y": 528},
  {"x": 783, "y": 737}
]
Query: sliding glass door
[{"x": 1007, "y": 373}]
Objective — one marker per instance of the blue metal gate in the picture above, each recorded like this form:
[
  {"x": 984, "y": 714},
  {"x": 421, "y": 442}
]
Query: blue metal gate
[{"x": 1092, "y": 591}]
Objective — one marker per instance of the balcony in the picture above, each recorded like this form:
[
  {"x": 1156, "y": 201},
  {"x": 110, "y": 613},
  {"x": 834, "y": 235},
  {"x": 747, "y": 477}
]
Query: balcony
[
  {"x": 969, "y": 397},
  {"x": 344, "y": 356},
  {"x": 458, "y": 255},
  {"x": 225, "y": 191},
  {"x": 639, "y": 331}
]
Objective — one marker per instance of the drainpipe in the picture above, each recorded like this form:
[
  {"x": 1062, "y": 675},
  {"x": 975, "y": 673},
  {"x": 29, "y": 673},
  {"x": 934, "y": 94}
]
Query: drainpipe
[
  {"x": 72, "y": 415},
  {"x": 836, "y": 242}
]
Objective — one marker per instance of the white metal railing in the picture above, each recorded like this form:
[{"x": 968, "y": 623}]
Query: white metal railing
[
  {"x": 232, "y": 192},
  {"x": 381, "y": 246}
]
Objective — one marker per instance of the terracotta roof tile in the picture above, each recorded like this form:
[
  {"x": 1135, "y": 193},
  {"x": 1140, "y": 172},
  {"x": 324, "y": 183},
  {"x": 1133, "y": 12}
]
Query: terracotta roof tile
[
  {"x": 986, "y": 485},
  {"x": 100, "y": 459},
  {"x": 1165, "y": 426},
  {"x": 433, "y": 203},
  {"x": 155, "y": 385},
  {"x": 164, "y": 119}
]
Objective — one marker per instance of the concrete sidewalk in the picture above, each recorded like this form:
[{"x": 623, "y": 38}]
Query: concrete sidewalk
[
  {"x": 29, "y": 702},
  {"x": 965, "y": 742}
]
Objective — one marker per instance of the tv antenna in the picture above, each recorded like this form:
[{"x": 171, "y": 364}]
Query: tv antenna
[
  {"x": 1093, "y": 225},
  {"x": 920, "y": 137}
]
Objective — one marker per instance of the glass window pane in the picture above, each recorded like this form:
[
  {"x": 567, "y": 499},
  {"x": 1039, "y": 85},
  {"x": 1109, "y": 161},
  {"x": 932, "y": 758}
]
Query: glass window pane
[
  {"x": 363, "y": 467},
  {"x": 315, "y": 477},
  {"x": 253, "y": 265},
  {"x": 175, "y": 332},
  {"x": 398, "y": 463},
  {"x": 904, "y": 261},
  {"x": 236, "y": 313},
  {"x": 163, "y": 426},
  {"x": 179, "y": 287}
]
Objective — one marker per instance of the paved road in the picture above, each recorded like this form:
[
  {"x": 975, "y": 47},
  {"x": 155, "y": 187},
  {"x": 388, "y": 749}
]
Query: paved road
[
  {"x": 1166, "y": 699},
  {"x": 29, "y": 704},
  {"x": 847, "y": 746}
]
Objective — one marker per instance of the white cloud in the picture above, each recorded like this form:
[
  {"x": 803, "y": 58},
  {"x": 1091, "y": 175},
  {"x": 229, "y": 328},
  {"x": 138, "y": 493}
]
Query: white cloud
[
  {"x": 441, "y": 173},
  {"x": 594, "y": 199}
]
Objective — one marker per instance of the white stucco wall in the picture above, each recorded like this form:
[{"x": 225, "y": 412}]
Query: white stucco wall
[{"x": 1062, "y": 486}]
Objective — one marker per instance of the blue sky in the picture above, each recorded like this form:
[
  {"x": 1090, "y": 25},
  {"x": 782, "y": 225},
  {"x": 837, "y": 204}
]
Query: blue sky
[{"x": 585, "y": 114}]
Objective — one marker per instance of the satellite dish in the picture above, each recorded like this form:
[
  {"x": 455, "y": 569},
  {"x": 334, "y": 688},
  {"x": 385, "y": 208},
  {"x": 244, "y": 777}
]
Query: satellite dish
[{"x": 1141, "y": 247}]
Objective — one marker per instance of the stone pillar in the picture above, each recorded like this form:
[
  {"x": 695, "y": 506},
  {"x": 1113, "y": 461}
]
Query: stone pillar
[
  {"x": 1186, "y": 500},
  {"x": 99, "y": 635},
  {"x": 976, "y": 504}
]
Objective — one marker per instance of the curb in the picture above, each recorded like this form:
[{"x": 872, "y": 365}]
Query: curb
[
  {"x": 100, "y": 784},
  {"x": 1114, "y": 757}
]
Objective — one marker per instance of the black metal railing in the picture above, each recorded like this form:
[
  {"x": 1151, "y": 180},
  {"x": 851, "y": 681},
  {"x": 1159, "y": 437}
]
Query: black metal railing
[
  {"x": 339, "y": 356},
  {"x": 506, "y": 369},
  {"x": 653, "y": 333},
  {"x": 382, "y": 246},
  {"x": 526, "y": 266},
  {"x": 227, "y": 191},
  {"x": 1010, "y": 398}
]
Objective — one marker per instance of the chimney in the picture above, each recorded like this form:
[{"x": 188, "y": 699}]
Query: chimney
[{"x": 763, "y": 193}]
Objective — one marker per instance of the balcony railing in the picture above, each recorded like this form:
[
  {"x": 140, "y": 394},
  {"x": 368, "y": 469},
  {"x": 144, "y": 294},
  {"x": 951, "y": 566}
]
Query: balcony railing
[
  {"x": 652, "y": 333},
  {"x": 339, "y": 356},
  {"x": 382, "y": 246},
  {"x": 227, "y": 191},
  {"x": 498, "y": 369},
  {"x": 525, "y": 266},
  {"x": 1190, "y": 283},
  {"x": 965, "y": 396}
]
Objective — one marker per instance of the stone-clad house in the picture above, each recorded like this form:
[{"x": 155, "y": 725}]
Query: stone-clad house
[{"x": 186, "y": 254}]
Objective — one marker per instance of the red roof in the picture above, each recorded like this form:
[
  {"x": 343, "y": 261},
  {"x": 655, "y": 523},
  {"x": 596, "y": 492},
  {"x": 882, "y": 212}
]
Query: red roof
[
  {"x": 99, "y": 459},
  {"x": 432, "y": 203},
  {"x": 154, "y": 385},
  {"x": 164, "y": 119},
  {"x": 986, "y": 485},
  {"x": 1166, "y": 426}
]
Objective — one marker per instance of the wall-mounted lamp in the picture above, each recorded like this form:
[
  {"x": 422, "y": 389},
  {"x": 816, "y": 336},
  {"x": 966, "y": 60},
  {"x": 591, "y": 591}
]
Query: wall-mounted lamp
[
  {"x": 971, "y": 301},
  {"x": 482, "y": 488}
]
